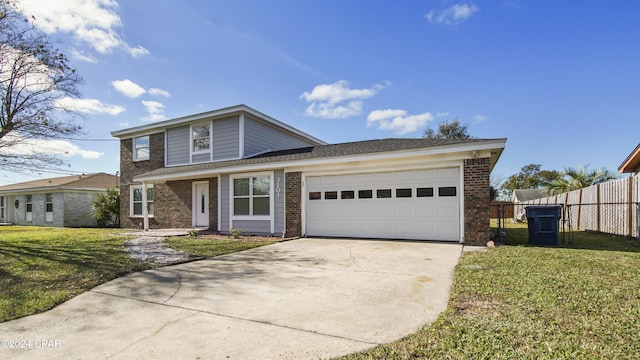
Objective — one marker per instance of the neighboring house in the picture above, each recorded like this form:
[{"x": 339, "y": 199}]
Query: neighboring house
[
  {"x": 238, "y": 168},
  {"x": 63, "y": 201},
  {"x": 522, "y": 195},
  {"x": 632, "y": 163}
]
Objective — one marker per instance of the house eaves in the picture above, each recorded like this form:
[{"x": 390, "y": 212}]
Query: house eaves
[
  {"x": 219, "y": 113},
  {"x": 632, "y": 162},
  {"x": 306, "y": 157}
]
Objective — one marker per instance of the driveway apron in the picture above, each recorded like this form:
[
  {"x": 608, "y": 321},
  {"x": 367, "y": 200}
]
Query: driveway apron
[{"x": 306, "y": 298}]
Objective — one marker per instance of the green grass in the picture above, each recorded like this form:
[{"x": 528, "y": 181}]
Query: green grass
[
  {"x": 41, "y": 267},
  {"x": 525, "y": 302},
  {"x": 208, "y": 247}
]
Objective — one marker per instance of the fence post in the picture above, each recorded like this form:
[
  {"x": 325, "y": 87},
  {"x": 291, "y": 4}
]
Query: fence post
[
  {"x": 579, "y": 208},
  {"x": 598, "y": 206},
  {"x": 630, "y": 200}
]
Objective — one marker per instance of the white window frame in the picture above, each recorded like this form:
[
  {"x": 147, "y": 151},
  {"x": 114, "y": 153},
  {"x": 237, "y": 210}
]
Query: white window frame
[
  {"x": 191, "y": 139},
  {"x": 250, "y": 176},
  {"x": 135, "y": 148},
  {"x": 3, "y": 201},
  {"x": 28, "y": 203},
  {"x": 131, "y": 201},
  {"x": 48, "y": 215}
]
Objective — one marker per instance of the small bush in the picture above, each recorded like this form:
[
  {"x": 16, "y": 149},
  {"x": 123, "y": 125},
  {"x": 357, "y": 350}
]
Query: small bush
[
  {"x": 192, "y": 233},
  {"x": 106, "y": 208},
  {"x": 236, "y": 233}
]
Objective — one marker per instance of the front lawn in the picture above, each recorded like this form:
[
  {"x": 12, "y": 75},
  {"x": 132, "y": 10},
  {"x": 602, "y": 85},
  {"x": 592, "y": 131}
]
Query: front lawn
[
  {"x": 41, "y": 267},
  {"x": 209, "y": 246},
  {"x": 525, "y": 302}
]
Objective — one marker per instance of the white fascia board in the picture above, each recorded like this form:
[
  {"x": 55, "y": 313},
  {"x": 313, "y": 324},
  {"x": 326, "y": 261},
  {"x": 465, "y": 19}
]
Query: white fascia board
[
  {"x": 484, "y": 148},
  {"x": 51, "y": 189},
  {"x": 162, "y": 125}
]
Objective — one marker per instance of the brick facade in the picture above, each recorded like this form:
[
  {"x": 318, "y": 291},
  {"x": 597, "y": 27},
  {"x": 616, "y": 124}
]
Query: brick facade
[
  {"x": 293, "y": 204},
  {"x": 476, "y": 201},
  {"x": 130, "y": 168}
]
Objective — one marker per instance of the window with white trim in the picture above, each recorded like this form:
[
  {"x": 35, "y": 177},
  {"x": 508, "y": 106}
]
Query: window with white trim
[
  {"x": 252, "y": 196},
  {"x": 137, "y": 200},
  {"x": 2, "y": 207},
  {"x": 48, "y": 205},
  {"x": 141, "y": 148},
  {"x": 29, "y": 208},
  {"x": 200, "y": 136}
]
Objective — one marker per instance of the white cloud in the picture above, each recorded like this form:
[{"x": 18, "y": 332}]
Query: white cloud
[
  {"x": 159, "y": 92},
  {"x": 128, "y": 88},
  {"x": 93, "y": 22},
  {"x": 137, "y": 51},
  {"x": 123, "y": 124},
  {"x": 88, "y": 106},
  {"x": 453, "y": 15},
  {"x": 82, "y": 56},
  {"x": 398, "y": 121},
  {"x": 50, "y": 147},
  {"x": 155, "y": 110},
  {"x": 337, "y": 100},
  {"x": 480, "y": 118}
]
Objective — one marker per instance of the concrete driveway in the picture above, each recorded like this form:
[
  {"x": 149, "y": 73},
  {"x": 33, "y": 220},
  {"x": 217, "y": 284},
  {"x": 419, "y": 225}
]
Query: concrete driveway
[{"x": 306, "y": 298}]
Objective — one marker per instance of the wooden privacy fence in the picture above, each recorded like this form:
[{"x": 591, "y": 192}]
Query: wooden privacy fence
[{"x": 611, "y": 207}]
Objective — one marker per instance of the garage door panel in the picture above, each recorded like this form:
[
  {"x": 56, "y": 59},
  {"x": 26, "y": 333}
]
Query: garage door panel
[{"x": 429, "y": 217}]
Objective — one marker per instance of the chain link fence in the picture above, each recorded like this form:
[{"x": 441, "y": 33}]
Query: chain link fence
[{"x": 582, "y": 222}]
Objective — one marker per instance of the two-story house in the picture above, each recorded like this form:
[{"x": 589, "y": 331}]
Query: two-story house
[{"x": 238, "y": 168}]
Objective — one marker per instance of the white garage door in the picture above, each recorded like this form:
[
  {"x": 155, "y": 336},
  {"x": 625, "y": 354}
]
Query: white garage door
[{"x": 421, "y": 204}]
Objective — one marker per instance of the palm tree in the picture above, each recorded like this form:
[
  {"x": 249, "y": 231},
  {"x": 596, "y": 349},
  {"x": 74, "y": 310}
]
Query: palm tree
[{"x": 578, "y": 178}]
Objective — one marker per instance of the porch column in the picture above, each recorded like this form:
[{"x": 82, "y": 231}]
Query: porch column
[{"x": 145, "y": 210}]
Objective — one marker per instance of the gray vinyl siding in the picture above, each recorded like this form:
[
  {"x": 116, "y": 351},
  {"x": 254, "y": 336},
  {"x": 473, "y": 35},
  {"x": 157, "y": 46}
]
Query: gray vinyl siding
[
  {"x": 199, "y": 158},
  {"x": 226, "y": 139},
  {"x": 259, "y": 137},
  {"x": 178, "y": 147},
  {"x": 278, "y": 196},
  {"x": 253, "y": 227},
  {"x": 225, "y": 208}
]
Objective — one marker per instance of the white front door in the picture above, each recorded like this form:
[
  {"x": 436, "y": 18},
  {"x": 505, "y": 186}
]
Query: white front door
[{"x": 201, "y": 202}]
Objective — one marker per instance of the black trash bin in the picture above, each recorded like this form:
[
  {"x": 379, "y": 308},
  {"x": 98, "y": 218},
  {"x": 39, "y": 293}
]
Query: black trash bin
[{"x": 543, "y": 222}]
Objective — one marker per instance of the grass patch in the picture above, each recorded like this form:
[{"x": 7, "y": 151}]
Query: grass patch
[
  {"x": 213, "y": 246},
  {"x": 525, "y": 302},
  {"x": 41, "y": 267}
]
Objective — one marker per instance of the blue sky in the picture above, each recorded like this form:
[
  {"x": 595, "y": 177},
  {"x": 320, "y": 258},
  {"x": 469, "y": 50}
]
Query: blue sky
[{"x": 560, "y": 79}]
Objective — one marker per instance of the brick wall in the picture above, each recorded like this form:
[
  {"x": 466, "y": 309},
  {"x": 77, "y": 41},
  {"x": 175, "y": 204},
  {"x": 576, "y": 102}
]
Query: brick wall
[
  {"x": 476, "y": 201},
  {"x": 129, "y": 169},
  {"x": 213, "y": 204},
  {"x": 293, "y": 204}
]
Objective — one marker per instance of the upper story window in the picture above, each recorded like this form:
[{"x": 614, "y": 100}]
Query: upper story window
[
  {"x": 141, "y": 148},
  {"x": 200, "y": 136}
]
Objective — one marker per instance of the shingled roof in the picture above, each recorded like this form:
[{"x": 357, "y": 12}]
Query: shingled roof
[
  {"x": 323, "y": 151},
  {"x": 90, "y": 181}
]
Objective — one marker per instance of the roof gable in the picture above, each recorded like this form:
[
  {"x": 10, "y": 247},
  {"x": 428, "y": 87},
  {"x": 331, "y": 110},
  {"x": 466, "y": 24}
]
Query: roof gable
[{"x": 632, "y": 162}]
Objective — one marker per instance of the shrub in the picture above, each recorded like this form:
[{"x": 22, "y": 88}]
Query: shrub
[
  {"x": 236, "y": 233},
  {"x": 106, "y": 208}
]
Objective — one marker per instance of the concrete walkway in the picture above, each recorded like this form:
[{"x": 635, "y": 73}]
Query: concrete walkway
[{"x": 300, "y": 299}]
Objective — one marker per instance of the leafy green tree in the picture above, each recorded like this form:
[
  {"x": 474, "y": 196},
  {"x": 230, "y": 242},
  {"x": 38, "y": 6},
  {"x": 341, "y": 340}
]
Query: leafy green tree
[
  {"x": 530, "y": 177},
  {"x": 37, "y": 86},
  {"x": 106, "y": 208},
  {"x": 578, "y": 178},
  {"x": 448, "y": 130}
]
